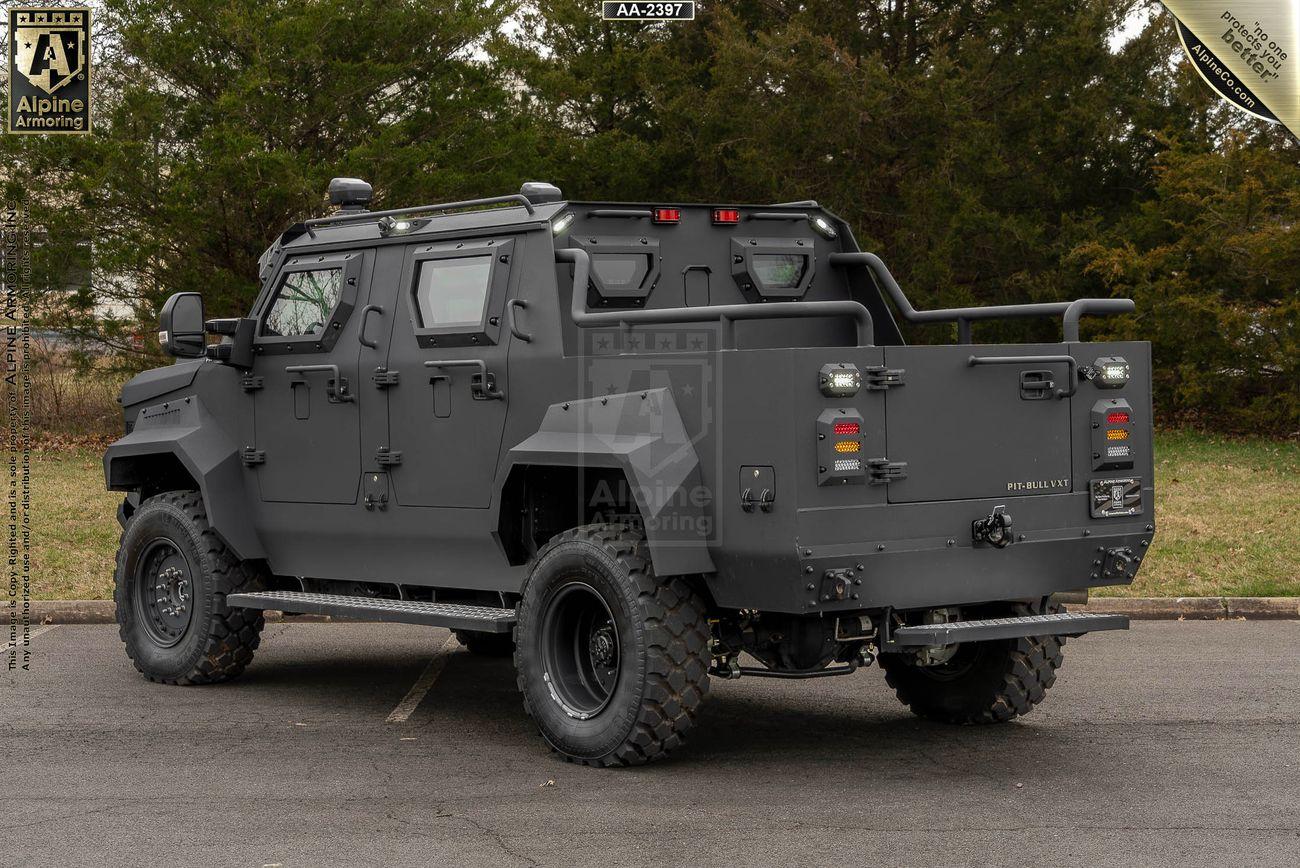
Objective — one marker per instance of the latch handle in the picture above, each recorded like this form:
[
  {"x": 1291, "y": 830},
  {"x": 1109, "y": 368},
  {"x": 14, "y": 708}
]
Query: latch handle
[
  {"x": 1072, "y": 378},
  {"x": 485, "y": 387},
  {"x": 336, "y": 388}
]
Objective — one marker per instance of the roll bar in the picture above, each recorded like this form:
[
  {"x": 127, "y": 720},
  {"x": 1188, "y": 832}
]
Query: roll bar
[
  {"x": 725, "y": 314},
  {"x": 364, "y": 216},
  {"x": 1069, "y": 311}
]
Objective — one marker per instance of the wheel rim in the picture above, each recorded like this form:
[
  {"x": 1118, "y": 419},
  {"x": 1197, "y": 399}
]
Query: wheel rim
[
  {"x": 164, "y": 592},
  {"x": 580, "y": 650}
]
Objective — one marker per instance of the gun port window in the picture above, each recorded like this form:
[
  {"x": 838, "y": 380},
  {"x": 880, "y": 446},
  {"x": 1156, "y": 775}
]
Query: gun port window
[
  {"x": 304, "y": 303},
  {"x": 450, "y": 293},
  {"x": 776, "y": 271},
  {"x": 620, "y": 270}
]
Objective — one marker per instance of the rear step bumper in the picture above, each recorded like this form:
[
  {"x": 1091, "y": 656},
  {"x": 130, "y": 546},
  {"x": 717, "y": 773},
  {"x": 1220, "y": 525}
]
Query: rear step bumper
[
  {"x": 1057, "y": 624},
  {"x": 456, "y": 616}
]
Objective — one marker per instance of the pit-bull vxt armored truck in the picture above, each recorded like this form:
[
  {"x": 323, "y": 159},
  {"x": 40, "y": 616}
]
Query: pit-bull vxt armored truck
[{"x": 639, "y": 446}]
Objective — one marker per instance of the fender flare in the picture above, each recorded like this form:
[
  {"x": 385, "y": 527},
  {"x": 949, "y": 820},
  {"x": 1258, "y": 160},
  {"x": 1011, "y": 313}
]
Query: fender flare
[
  {"x": 641, "y": 434},
  {"x": 183, "y": 428}
]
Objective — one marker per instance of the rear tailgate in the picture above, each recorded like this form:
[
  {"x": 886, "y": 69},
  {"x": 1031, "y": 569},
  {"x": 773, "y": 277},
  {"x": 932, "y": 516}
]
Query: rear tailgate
[{"x": 970, "y": 431}]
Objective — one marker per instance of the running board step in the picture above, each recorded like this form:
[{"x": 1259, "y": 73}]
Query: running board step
[
  {"x": 1056, "y": 624},
  {"x": 457, "y": 616}
]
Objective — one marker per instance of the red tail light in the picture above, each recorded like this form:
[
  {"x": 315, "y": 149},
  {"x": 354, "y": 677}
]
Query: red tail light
[
  {"x": 843, "y": 428},
  {"x": 667, "y": 215},
  {"x": 1117, "y": 417},
  {"x": 726, "y": 215}
]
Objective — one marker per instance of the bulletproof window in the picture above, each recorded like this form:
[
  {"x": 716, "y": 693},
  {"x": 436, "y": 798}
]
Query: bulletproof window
[
  {"x": 621, "y": 269},
  {"x": 452, "y": 293},
  {"x": 304, "y": 302},
  {"x": 778, "y": 271}
]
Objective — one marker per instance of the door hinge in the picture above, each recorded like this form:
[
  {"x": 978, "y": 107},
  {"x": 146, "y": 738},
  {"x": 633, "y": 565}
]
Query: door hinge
[
  {"x": 883, "y": 471},
  {"x": 383, "y": 378},
  {"x": 877, "y": 377},
  {"x": 252, "y": 457},
  {"x": 250, "y": 383},
  {"x": 386, "y": 458}
]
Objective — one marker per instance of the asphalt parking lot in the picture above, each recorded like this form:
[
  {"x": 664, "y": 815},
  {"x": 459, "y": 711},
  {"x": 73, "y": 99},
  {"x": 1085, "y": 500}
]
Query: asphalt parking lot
[{"x": 1175, "y": 743}]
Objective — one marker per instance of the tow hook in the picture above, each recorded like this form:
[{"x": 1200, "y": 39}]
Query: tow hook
[{"x": 994, "y": 529}]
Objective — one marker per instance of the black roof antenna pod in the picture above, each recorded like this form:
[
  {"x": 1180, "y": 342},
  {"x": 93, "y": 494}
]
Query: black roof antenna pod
[{"x": 352, "y": 195}]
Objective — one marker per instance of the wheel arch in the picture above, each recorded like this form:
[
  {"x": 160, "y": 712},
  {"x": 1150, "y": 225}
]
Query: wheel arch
[
  {"x": 179, "y": 445},
  {"x": 605, "y": 455}
]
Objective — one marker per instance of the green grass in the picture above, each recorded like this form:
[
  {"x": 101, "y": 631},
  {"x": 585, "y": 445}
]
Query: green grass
[
  {"x": 1228, "y": 516},
  {"x": 1227, "y": 519},
  {"x": 74, "y": 526}
]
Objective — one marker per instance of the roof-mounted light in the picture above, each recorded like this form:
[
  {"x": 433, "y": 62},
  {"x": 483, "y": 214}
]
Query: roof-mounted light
[
  {"x": 562, "y": 223},
  {"x": 726, "y": 216},
  {"x": 666, "y": 215},
  {"x": 822, "y": 226},
  {"x": 390, "y": 226}
]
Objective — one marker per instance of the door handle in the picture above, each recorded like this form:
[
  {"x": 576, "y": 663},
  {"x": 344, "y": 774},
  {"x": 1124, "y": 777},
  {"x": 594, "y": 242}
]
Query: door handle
[
  {"x": 365, "y": 318},
  {"x": 336, "y": 387},
  {"x": 1072, "y": 378},
  {"x": 526, "y": 337},
  {"x": 482, "y": 384}
]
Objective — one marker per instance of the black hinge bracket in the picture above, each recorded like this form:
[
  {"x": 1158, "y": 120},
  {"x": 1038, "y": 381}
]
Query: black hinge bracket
[
  {"x": 883, "y": 471},
  {"x": 252, "y": 457},
  {"x": 877, "y": 377},
  {"x": 386, "y": 458},
  {"x": 250, "y": 383},
  {"x": 383, "y": 378}
]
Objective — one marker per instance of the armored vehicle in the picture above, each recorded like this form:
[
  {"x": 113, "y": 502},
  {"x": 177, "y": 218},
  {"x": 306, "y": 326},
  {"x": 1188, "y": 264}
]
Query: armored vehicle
[{"x": 637, "y": 446}]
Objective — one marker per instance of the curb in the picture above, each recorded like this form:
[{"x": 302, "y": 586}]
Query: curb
[
  {"x": 1137, "y": 608},
  {"x": 1195, "y": 608}
]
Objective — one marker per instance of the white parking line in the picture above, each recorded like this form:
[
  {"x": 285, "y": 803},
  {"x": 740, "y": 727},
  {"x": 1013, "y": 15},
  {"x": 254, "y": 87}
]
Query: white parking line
[
  {"x": 416, "y": 694},
  {"x": 10, "y": 646}
]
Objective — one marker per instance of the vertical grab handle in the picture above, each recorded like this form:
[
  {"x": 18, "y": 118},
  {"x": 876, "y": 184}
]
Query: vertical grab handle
[
  {"x": 361, "y": 329},
  {"x": 511, "y": 321}
]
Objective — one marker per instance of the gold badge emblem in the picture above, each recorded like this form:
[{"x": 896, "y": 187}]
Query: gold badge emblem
[{"x": 49, "y": 70}]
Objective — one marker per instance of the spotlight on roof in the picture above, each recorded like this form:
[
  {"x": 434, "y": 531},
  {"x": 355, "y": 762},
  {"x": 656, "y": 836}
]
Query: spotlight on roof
[{"x": 352, "y": 195}]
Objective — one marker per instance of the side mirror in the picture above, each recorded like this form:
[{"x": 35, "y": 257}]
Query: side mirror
[{"x": 180, "y": 326}]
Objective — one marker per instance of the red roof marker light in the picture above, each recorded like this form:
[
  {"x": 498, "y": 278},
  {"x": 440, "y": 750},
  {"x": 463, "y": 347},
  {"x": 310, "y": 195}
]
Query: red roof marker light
[
  {"x": 667, "y": 215},
  {"x": 726, "y": 215}
]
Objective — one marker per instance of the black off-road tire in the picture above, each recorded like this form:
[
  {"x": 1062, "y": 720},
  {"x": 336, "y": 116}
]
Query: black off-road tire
[
  {"x": 486, "y": 644},
  {"x": 216, "y": 642},
  {"x": 661, "y": 626},
  {"x": 985, "y": 682}
]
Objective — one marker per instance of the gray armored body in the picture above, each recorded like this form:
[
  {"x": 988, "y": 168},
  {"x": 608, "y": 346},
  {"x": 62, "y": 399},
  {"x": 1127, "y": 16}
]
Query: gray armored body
[{"x": 638, "y": 446}]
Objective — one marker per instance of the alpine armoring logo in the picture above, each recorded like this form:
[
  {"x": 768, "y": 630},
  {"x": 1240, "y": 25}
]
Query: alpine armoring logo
[{"x": 49, "y": 70}]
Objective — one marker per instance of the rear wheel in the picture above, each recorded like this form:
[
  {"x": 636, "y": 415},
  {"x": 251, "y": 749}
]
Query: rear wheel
[
  {"x": 173, "y": 575},
  {"x": 980, "y": 682},
  {"x": 611, "y": 659}
]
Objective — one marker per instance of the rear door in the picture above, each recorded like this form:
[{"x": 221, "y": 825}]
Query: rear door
[
  {"x": 448, "y": 346},
  {"x": 989, "y": 429}
]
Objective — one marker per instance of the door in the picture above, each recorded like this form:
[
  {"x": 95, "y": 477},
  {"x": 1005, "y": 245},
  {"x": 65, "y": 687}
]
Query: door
[
  {"x": 448, "y": 349},
  {"x": 973, "y": 421},
  {"x": 305, "y": 402}
]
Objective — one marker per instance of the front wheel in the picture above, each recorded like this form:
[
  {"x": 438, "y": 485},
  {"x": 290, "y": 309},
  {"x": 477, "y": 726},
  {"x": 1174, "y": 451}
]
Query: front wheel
[
  {"x": 612, "y": 660},
  {"x": 173, "y": 575}
]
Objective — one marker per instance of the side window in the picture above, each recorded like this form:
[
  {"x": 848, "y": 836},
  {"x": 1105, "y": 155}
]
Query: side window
[
  {"x": 304, "y": 302},
  {"x": 452, "y": 293}
]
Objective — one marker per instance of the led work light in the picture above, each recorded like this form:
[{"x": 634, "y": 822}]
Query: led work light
[{"x": 842, "y": 380}]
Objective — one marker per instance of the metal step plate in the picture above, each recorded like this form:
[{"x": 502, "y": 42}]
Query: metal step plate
[
  {"x": 453, "y": 615},
  {"x": 1057, "y": 624}
]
